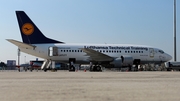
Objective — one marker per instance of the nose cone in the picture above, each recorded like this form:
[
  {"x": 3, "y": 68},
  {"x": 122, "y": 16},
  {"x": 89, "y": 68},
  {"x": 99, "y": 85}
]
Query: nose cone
[{"x": 168, "y": 57}]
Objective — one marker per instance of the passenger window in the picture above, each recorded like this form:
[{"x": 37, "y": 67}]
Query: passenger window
[
  {"x": 72, "y": 50},
  {"x": 69, "y": 50}
]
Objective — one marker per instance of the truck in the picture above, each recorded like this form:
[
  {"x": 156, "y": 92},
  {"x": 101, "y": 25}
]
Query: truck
[{"x": 172, "y": 66}]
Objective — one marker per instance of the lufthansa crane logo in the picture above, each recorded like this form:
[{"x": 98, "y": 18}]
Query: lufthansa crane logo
[{"x": 27, "y": 29}]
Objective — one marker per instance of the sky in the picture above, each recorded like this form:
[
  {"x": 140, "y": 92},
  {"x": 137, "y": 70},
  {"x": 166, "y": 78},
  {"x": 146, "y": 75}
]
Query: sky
[{"x": 141, "y": 22}]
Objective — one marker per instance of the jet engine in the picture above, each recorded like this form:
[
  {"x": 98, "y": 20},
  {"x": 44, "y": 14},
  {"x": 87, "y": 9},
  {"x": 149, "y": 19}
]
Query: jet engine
[
  {"x": 117, "y": 63},
  {"x": 123, "y": 61},
  {"x": 127, "y": 60}
]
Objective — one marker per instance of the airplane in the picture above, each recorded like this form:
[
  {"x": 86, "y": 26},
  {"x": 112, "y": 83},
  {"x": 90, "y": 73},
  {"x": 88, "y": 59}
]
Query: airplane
[{"x": 97, "y": 55}]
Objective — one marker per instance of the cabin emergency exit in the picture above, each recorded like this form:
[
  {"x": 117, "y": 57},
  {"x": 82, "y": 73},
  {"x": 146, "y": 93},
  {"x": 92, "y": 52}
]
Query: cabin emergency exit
[{"x": 53, "y": 51}]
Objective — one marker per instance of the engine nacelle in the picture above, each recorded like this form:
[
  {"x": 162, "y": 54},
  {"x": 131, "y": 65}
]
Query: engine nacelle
[
  {"x": 117, "y": 63},
  {"x": 123, "y": 61},
  {"x": 127, "y": 60}
]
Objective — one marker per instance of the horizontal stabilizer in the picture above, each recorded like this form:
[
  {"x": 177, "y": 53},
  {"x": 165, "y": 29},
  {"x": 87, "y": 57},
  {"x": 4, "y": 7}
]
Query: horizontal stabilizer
[{"x": 21, "y": 44}]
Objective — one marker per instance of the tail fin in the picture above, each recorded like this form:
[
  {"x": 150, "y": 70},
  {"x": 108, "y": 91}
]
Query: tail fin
[{"x": 29, "y": 31}]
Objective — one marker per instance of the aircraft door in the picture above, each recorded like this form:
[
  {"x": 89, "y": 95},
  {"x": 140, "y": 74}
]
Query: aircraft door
[
  {"x": 151, "y": 52},
  {"x": 53, "y": 51}
]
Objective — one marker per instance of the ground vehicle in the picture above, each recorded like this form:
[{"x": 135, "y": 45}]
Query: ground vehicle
[{"x": 172, "y": 66}]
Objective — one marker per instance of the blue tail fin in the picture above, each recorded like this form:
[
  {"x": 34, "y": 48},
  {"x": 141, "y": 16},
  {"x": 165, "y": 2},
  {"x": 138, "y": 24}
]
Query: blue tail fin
[{"x": 29, "y": 31}]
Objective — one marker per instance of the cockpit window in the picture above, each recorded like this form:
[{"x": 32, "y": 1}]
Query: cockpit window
[{"x": 160, "y": 51}]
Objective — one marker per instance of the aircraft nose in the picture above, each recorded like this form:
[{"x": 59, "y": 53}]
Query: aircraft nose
[{"x": 168, "y": 57}]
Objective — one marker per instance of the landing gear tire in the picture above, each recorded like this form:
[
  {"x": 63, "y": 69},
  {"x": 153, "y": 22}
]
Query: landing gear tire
[{"x": 96, "y": 69}]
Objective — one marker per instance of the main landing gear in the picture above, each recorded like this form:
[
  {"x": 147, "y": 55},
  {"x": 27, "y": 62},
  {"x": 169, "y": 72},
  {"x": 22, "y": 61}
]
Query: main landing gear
[{"x": 95, "y": 68}]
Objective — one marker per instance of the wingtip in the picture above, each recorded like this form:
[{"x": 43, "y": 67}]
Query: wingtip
[{"x": 8, "y": 39}]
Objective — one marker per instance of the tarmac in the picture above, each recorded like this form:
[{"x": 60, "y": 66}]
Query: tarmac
[{"x": 89, "y": 86}]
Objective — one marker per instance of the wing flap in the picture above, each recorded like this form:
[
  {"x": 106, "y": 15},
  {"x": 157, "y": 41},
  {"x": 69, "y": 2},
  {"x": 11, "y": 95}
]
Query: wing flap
[
  {"x": 21, "y": 44},
  {"x": 97, "y": 56}
]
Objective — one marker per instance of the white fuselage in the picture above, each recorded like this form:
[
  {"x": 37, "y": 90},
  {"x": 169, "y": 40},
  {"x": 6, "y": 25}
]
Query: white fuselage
[{"x": 62, "y": 52}]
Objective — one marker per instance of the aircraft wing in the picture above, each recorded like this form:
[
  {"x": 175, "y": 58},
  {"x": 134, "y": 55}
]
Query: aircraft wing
[
  {"x": 97, "y": 56},
  {"x": 21, "y": 44}
]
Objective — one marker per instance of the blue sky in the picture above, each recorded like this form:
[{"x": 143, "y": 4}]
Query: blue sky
[{"x": 144, "y": 22}]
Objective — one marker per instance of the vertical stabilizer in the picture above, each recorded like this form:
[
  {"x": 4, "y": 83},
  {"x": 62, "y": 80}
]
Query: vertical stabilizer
[{"x": 29, "y": 31}]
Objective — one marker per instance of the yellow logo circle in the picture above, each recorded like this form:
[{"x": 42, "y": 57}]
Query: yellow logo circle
[{"x": 27, "y": 29}]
